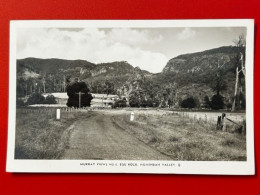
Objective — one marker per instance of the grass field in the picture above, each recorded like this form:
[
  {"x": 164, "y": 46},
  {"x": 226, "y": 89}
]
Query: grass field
[
  {"x": 40, "y": 136},
  {"x": 183, "y": 138}
]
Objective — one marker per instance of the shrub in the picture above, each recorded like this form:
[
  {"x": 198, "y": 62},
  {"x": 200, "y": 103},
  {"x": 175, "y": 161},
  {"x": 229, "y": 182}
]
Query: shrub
[
  {"x": 136, "y": 99},
  {"x": 73, "y": 89},
  {"x": 188, "y": 103},
  {"x": 36, "y": 98},
  {"x": 163, "y": 104},
  {"x": 217, "y": 102},
  {"x": 50, "y": 99},
  {"x": 206, "y": 102},
  {"x": 20, "y": 102},
  {"x": 120, "y": 103},
  {"x": 134, "y": 102},
  {"x": 173, "y": 139}
]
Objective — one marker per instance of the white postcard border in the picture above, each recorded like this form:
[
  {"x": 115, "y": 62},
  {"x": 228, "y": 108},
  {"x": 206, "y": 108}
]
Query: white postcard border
[{"x": 133, "y": 166}]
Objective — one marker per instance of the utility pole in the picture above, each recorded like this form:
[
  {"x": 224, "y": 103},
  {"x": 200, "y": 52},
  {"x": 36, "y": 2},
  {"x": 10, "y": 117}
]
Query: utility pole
[
  {"x": 80, "y": 93},
  {"x": 43, "y": 82},
  {"x": 64, "y": 83}
]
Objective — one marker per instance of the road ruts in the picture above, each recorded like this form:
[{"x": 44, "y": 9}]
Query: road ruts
[{"x": 96, "y": 137}]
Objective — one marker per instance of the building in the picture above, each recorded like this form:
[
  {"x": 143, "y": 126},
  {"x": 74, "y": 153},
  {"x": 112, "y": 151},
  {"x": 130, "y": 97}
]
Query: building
[
  {"x": 103, "y": 100},
  {"x": 99, "y": 100}
]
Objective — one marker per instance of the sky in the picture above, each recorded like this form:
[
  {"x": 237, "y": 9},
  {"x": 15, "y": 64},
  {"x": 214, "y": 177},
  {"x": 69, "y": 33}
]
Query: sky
[{"x": 148, "y": 48}]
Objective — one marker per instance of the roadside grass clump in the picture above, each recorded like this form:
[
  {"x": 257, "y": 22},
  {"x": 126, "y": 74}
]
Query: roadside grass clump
[
  {"x": 183, "y": 151},
  {"x": 184, "y": 138},
  {"x": 228, "y": 142},
  {"x": 154, "y": 140},
  {"x": 173, "y": 139},
  {"x": 39, "y": 135}
]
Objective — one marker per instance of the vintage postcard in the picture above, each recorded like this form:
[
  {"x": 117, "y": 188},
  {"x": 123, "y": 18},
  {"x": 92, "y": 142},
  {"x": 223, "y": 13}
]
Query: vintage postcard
[{"x": 131, "y": 96}]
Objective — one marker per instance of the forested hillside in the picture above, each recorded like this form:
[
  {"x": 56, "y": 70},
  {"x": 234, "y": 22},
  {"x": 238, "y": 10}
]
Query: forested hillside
[
  {"x": 205, "y": 73},
  {"x": 53, "y": 75}
]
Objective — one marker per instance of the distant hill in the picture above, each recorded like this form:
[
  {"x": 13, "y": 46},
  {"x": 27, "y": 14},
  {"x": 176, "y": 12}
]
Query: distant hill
[
  {"x": 74, "y": 68},
  {"x": 52, "y": 75}
]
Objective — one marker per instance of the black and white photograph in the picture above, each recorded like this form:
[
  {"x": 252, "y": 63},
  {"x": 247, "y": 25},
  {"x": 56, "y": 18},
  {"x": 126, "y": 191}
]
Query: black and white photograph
[{"x": 169, "y": 96}]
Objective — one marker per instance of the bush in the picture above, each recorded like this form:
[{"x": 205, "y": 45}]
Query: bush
[
  {"x": 136, "y": 99},
  {"x": 36, "y": 98},
  {"x": 229, "y": 105},
  {"x": 206, "y": 102},
  {"x": 50, "y": 99},
  {"x": 73, "y": 89},
  {"x": 188, "y": 103},
  {"x": 134, "y": 102},
  {"x": 163, "y": 104},
  {"x": 217, "y": 102},
  {"x": 170, "y": 103},
  {"x": 120, "y": 103},
  {"x": 152, "y": 103},
  {"x": 20, "y": 103}
]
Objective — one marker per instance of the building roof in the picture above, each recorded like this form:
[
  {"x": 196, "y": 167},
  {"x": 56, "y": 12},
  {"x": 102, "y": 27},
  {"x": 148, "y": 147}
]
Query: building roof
[
  {"x": 100, "y": 101},
  {"x": 100, "y": 95},
  {"x": 63, "y": 95}
]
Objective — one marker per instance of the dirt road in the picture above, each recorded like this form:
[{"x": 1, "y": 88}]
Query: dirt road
[{"x": 97, "y": 137}]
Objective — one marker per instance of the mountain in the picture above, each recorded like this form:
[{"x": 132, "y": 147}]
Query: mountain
[
  {"x": 203, "y": 61},
  {"x": 52, "y": 75},
  {"x": 195, "y": 74},
  {"x": 73, "y": 68}
]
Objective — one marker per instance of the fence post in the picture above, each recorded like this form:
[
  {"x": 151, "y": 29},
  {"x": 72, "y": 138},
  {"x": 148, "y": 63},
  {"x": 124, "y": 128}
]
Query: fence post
[
  {"x": 224, "y": 128},
  {"x": 132, "y": 116},
  {"x": 244, "y": 129},
  {"x": 194, "y": 117},
  {"x": 224, "y": 125},
  {"x": 58, "y": 114},
  {"x": 218, "y": 122}
]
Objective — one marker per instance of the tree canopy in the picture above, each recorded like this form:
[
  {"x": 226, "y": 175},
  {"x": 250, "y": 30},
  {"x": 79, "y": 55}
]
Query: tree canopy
[
  {"x": 73, "y": 90},
  {"x": 217, "y": 102},
  {"x": 188, "y": 103}
]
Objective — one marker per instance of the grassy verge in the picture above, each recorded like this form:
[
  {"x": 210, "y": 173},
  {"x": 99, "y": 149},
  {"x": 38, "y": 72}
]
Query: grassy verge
[
  {"x": 39, "y": 135},
  {"x": 182, "y": 138}
]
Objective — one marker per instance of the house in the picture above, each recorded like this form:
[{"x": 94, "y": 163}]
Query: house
[
  {"x": 103, "y": 100},
  {"x": 99, "y": 100}
]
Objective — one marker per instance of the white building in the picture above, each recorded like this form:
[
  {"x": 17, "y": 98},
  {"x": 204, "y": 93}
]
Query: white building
[
  {"x": 99, "y": 100},
  {"x": 103, "y": 100}
]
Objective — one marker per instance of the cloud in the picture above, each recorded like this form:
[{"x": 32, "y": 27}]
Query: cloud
[
  {"x": 133, "y": 37},
  {"x": 186, "y": 33},
  {"x": 92, "y": 44}
]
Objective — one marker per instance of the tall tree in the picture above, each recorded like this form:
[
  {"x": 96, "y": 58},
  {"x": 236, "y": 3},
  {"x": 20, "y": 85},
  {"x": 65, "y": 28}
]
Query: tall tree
[
  {"x": 109, "y": 87},
  {"x": 73, "y": 90},
  {"x": 218, "y": 83},
  {"x": 240, "y": 43}
]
